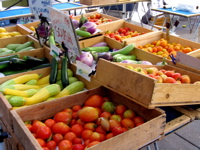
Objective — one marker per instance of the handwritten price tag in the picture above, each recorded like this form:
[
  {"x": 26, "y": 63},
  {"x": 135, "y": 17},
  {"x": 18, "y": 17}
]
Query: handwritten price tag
[
  {"x": 64, "y": 30},
  {"x": 40, "y": 6}
]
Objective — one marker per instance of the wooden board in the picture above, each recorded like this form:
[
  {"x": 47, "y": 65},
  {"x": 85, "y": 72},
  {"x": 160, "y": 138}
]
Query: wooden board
[
  {"x": 96, "y": 2},
  {"x": 132, "y": 139},
  {"x": 17, "y": 28},
  {"x": 143, "y": 89}
]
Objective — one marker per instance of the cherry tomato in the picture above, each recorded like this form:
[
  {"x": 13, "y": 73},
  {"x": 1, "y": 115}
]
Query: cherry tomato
[
  {"x": 51, "y": 145},
  {"x": 60, "y": 127},
  {"x": 100, "y": 130},
  {"x": 117, "y": 130},
  {"x": 93, "y": 143},
  {"x": 65, "y": 145},
  {"x": 94, "y": 101},
  {"x": 29, "y": 126},
  {"x": 77, "y": 129},
  {"x": 45, "y": 148},
  {"x": 63, "y": 117},
  {"x": 98, "y": 16},
  {"x": 120, "y": 109},
  {"x": 95, "y": 137},
  {"x": 90, "y": 126},
  {"x": 44, "y": 132},
  {"x": 109, "y": 135},
  {"x": 58, "y": 138},
  {"x": 49, "y": 122},
  {"x": 68, "y": 110},
  {"x": 86, "y": 134},
  {"x": 88, "y": 114},
  {"x": 78, "y": 147},
  {"x": 78, "y": 141},
  {"x": 76, "y": 108}
]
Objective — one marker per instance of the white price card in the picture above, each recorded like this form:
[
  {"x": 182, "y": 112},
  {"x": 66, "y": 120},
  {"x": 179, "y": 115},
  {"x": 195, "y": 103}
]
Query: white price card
[
  {"x": 188, "y": 60},
  {"x": 83, "y": 70},
  {"x": 38, "y": 7},
  {"x": 64, "y": 30},
  {"x": 55, "y": 51}
]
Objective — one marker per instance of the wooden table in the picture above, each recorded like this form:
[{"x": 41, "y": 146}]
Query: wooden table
[{"x": 168, "y": 11}]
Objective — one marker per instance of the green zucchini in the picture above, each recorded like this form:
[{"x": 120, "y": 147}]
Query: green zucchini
[
  {"x": 26, "y": 49},
  {"x": 8, "y": 72},
  {"x": 83, "y": 33},
  {"x": 127, "y": 49},
  {"x": 12, "y": 46},
  {"x": 69, "y": 72},
  {"x": 25, "y": 45},
  {"x": 64, "y": 75},
  {"x": 4, "y": 65},
  {"x": 6, "y": 52},
  {"x": 32, "y": 61},
  {"x": 6, "y": 58},
  {"x": 41, "y": 66},
  {"x": 3, "y": 49},
  {"x": 97, "y": 49},
  {"x": 54, "y": 71},
  {"x": 18, "y": 64}
]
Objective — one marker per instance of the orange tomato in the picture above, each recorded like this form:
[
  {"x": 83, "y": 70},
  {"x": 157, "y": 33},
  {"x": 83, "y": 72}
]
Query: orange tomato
[{"x": 88, "y": 114}]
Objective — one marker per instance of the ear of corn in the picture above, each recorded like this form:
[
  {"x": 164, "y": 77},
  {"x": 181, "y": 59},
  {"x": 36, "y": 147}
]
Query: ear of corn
[
  {"x": 43, "y": 94},
  {"x": 21, "y": 79},
  {"x": 71, "y": 89}
]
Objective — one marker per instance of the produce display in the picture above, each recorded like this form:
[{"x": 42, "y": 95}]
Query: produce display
[
  {"x": 164, "y": 49},
  {"x": 84, "y": 126},
  {"x": 16, "y": 48},
  {"x": 98, "y": 19},
  {"x": 122, "y": 34},
  {"x": 164, "y": 76},
  {"x": 13, "y": 64},
  {"x": 19, "y": 92},
  {"x": 6, "y": 34}
]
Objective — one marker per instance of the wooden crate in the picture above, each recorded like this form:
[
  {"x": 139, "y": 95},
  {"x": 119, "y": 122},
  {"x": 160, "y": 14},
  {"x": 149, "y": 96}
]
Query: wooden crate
[
  {"x": 149, "y": 38},
  {"x": 132, "y": 139},
  {"x": 19, "y": 28},
  {"x": 114, "y": 26},
  {"x": 96, "y": 2},
  {"x": 111, "y": 43},
  {"x": 143, "y": 89},
  {"x": 20, "y": 40}
]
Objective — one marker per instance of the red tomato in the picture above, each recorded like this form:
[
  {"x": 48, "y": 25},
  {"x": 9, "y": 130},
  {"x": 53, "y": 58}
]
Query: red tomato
[
  {"x": 127, "y": 28},
  {"x": 68, "y": 110},
  {"x": 63, "y": 117},
  {"x": 93, "y": 143},
  {"x": 41, "y": 142},
  {"x": 109, "y": 135},
  {"x": 117, "y": 130},
  {"x": 102, "y": 137},
  {"x": 58, "y": 138},
  {"x": 45, "y": 148},
  {"x": 169, "y": 80},
  {"x": 116, "y": 117},
  {"x": 95, "y": 137},
  {"x": 176, "y": 76},
  {"x": 98, "y": 16},
  {"x": 36, "y": 125},
  {"x": 105, "y": 115},
  {"x": 120, "y": 109},
  {"x": 114, "y": 123},
  {"x": 73, "y": 122},
  {"x": 90, "y": 126},
  {"x": 29, "y": 126},
  {"x": 120, "y": 30},
  {"x": 49, "y": 122},
  {"x": 65, "y": 145},
  {"x": 86, "y": 142},
  {"x": 86, "y": 134},
  {"x": 70, "y": 136},
  {"x": 76, "y": 107},
  {"x": 88, "y": 114},
  {"x": 127, "y": 123},
  {"x": 51, "y": 145},
  {"x": 100, "y": 130},
  {"x": 60, "y": 127},
  {"x": 34, "y": 134},
  {"x": 78, "y": 147},
  {"x": 77, "y": 129},
  {"x": 138, "y": 119},
  {"x": 79, "y": 121},
  {"x": 74, "y": 114},
  {"x": 129, "y": 114},
  {"x": 94, "y": 101},
  {"x": 169, "y": 73},
  {"x": 44, "y": 132},
  {"x": 78, "y": 141}
]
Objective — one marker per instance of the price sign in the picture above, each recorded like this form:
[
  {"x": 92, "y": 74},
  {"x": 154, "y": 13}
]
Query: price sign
[
  {"x": 55, "y": 51},
  {"x": 40, "y": 6},
  {"x": 64, "y": 30}
]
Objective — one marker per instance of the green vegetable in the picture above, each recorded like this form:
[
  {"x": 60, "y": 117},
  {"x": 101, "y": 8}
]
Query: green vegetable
[
  {"x": 16, "y": 101},
  {"x": 4, "y": 65},
  {"x": 72, "y": 80},
  {"x": 26, "y": 49},
  {"x": 69, "y": 72},
  {"x": 124, "y": 50},
  {"x": 59, "y": 82},
  {"x": 54, "y": 71},
  {"x": 121, "y": 57},
  {"x": 83, "y": 33},
  {"x": 64, "y": 75},
  {"x": 3, "y": 49},
  {"x": 31, "y": 82},
  {"x": 18, "y": 64},
  {"x": 41, "y": 66},
  {"x": 25, "y": 45},
  {"x": 6, "y": 52},
  {"x": 8, "y": 72},
  {"x": 97, "y": 49},
  {"x": 12, "y": 46},
  {"x": 6, "y": 58}
]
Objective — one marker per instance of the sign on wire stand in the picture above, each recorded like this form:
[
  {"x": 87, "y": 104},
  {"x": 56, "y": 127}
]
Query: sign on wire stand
[{"x": 38, "y": 7}]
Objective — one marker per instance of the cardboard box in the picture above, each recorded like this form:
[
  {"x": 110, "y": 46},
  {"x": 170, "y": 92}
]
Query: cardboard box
[
  {"x": 143, "y": 89},
  {"x": 134, "y": 138}
]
